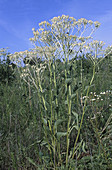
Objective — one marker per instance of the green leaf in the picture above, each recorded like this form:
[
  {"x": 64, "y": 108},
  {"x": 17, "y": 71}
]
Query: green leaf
[
  {"x": 59, "y": 121},
  {"x": 73, "y": 96},
  {"x": 66, "y": 102},
  {"x": 61, "y": 134},
  {"x": 44, "y": 121},
  {"x": 75, "y": 126},
  {"x": 40, "y": 154},
  {"x": 88, "y": 87},
  {"x": 44, "y": 143},
  {"x": 76, "y": 115},
  {"x": 83, "y": 147},
  {"x": 68, "y": 81},
  {"x": 31, "y": 161}
]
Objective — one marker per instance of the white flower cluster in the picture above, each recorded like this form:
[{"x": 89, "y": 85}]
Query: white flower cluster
[
  {"x": 3, "y": 51},
  {"x": 63, "y": 32},
  {"x": 18, "y": 57},
  {"x": 108, "y": 51},
  {"x": 95, "y": 97},
  {"x": 99, "y": 96}
]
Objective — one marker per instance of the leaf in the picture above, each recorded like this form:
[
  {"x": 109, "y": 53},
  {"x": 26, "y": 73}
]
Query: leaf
[
  {"x": 43, "y": 143},
  {"x": 46, "y": 143},
  {"x": 76, "y": 115},
  {"x": 88, "y": 87},
  {"x": 59, "y": 121},
  {"x": 73, "y": 96},
  {"x": 76, "y": 127},
  {"x": 31, "y": 161},
  {"x": 61, "y": 134},
  {"x": 44, "y": 121},
  {"x": 83, "y": 147},
  {"x": 40, "y": 154},
  {"x": 68, "y": 81},
  {"x": 66, "y": 102}
]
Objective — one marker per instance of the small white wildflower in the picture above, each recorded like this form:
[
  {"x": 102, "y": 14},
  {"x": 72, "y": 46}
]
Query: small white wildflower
[
  {"x": 93, "y": 99},
  {"x": 90, "y": 22},
  {"x": 86, "y": 47},
  {"x": 98, "y": 112},
  {"x": 93, "y": 117},
  {"x": 72, "y": 18},
  {"x": 33, "y": 29},
  {"x": 48, "y": 24},
  {"x": 42, "y": 23},
  {"x": 97, "y": 24},
  {"x": 41, "y": 29},
  {"x": 103, "y": 93}
]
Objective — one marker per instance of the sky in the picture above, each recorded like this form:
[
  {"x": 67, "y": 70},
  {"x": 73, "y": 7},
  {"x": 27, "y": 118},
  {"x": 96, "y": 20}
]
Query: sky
[{"x": 18, "y": 17}]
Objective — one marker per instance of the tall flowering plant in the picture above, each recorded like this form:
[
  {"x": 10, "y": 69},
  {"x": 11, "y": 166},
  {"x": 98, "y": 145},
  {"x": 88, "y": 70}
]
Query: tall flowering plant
[{"x": 63, "y": 37}]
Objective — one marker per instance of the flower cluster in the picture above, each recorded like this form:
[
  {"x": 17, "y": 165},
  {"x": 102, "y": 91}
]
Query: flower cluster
[
  {"x": 64, "y": 32},
  {"x": 108, "y": 51},
  {"x": 96, "y": 97},
  {"x": 97, "y": 102},
  {"x": 18, "y": 57},
  {"x": 3, "y": 51}
]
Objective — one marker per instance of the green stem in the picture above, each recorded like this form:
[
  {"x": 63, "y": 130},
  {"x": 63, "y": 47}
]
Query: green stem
[
  {"x": 69, "y": 112},
  {"x": 42, "y": 96},
  {"x": 68, "y": 125},
  {"x": 81, "y": 82},
  {"x": 85, "y": 102},
  {"x": 51, "y": 93}
]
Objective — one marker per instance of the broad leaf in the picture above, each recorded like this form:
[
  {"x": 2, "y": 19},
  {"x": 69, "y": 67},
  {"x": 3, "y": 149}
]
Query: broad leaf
[
  {"x": 61, "y": 134},
  {"x": 59, "y": 121}
]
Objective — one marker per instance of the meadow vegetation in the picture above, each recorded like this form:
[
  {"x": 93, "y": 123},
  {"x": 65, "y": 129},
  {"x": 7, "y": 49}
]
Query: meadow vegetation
[{"x": 56, "y": 100}]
